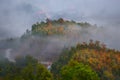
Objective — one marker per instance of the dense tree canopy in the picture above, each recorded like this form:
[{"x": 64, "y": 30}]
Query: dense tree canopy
[
  {"x": 55, "y": 27},
  {"x": 78, "y": 71},
  {"x": 25, "y": 68},
  {"x": 104, "y": 61}
]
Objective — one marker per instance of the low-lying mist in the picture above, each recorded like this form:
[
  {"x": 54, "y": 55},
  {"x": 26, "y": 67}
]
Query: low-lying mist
[
  {"x": 49, "y": 47},
  {"x": 18, "y": 15}
]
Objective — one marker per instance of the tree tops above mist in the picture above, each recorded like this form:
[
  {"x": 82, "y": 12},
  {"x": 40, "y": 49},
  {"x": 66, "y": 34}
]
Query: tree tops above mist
[{"x": 59, "y": 26}]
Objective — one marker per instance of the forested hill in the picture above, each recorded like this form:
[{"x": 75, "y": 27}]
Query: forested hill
[
  {"x": 57, "y": 27},
  {"x": 63, "y": 43},
  {"x": 104, "y": 61},
  {"x": 85, "y": 61},
  {"x": 47, "y": 39}
]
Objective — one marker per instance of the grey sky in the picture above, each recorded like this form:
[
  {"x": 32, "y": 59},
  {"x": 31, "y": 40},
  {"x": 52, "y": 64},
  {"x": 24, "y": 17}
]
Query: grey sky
[{"x": 18, "y": 15}]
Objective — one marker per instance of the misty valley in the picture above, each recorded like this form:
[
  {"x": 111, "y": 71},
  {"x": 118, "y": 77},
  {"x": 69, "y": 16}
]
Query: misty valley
[{"x": 59, "y": 50}]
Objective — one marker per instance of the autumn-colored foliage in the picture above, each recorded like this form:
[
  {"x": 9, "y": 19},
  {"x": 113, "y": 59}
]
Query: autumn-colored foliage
[
  {"x": 104, "y": 61},
  {"x": 55, "y": 27}
]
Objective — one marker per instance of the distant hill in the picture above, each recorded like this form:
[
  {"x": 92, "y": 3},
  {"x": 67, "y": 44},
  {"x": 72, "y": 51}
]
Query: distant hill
[
  {"x": 48, "y": 38},
  {"x": 52, "y": 27},
  {"x": 58, "y": 27}
]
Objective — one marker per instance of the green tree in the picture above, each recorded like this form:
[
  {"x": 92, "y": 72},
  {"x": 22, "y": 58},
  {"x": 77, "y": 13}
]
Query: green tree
[
  {"x": 38, "y": 72},
  {"x": 78, "y": 71}
]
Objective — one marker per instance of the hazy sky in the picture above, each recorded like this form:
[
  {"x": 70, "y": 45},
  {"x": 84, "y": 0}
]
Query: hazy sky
[{"x": 18, "y": 15}]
